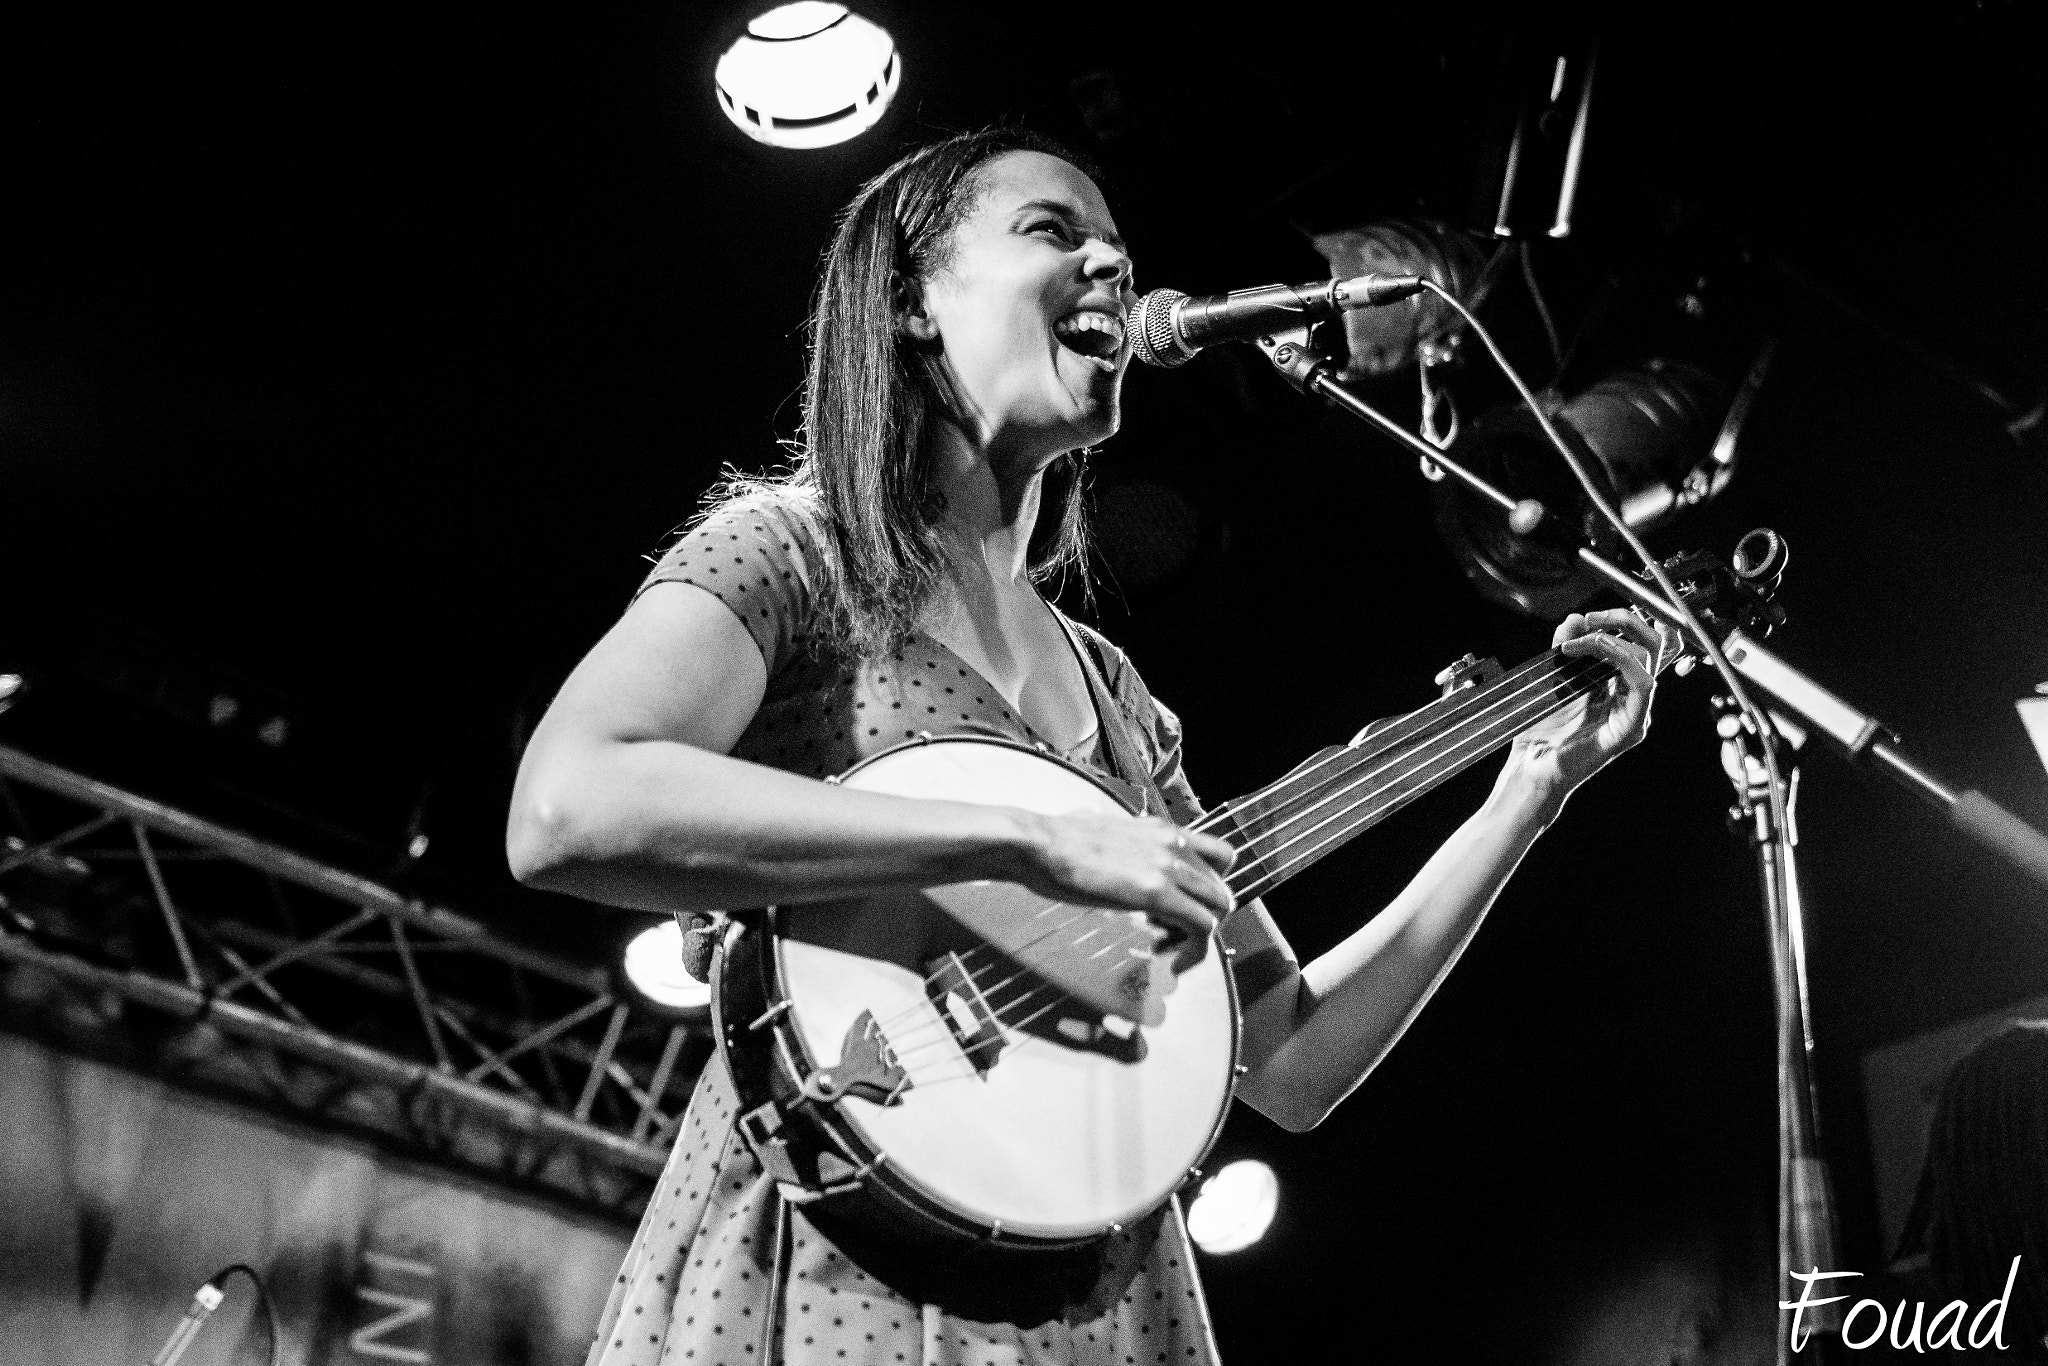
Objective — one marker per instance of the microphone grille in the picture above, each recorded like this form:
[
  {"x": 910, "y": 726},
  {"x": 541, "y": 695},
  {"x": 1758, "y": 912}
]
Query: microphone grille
[{"x": 1152, "y": 339}]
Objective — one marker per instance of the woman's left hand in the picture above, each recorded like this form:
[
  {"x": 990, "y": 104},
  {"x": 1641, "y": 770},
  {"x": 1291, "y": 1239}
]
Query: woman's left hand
[{"x": 1576, "y": 741}]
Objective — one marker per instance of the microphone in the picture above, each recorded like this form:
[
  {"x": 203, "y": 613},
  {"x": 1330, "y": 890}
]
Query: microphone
[{"x": 1168, "y": 327}]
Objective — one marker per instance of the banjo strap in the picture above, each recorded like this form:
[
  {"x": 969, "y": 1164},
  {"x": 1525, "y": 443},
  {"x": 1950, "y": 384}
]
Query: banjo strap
[{"x": 1126, "y": 756}]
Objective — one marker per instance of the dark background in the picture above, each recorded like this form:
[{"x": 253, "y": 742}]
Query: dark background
[{"x": 352, "y": 359}]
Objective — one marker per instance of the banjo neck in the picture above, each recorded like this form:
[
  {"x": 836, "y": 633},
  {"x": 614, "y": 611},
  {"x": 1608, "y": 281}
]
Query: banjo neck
[{"x": 1340, "y": 793}]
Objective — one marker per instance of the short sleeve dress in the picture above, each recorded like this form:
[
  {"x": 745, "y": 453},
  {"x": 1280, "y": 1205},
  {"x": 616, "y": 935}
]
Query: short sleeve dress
[{"x": 699, "y": 1275}]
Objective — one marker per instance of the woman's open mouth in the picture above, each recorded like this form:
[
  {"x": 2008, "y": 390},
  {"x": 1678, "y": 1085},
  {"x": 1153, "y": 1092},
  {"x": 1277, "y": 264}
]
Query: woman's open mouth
[{"x": 1093, "y": 335}]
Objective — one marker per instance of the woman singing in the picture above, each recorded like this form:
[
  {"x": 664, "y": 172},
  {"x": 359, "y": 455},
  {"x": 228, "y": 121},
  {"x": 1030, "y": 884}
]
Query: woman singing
[{"x": 967, "y": 347}]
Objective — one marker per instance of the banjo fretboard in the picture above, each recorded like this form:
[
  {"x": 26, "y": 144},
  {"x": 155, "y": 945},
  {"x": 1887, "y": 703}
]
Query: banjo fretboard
[{"x": 1344, "y": 791}]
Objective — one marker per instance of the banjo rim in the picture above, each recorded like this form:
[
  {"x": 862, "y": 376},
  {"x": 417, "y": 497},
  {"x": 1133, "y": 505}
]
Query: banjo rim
[{"x": 925, "y": 1209}]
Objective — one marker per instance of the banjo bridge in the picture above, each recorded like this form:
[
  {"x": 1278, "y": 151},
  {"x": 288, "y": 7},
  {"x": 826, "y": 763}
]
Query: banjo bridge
[
  {"x": 965, "y": 1010},
  {"x": 980, "y": 1029}
]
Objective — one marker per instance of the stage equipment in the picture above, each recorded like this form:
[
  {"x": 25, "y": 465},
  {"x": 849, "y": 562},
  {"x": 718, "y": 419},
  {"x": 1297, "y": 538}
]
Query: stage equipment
[
  {"x": 1235, "y": 1207},
  {"x": 1383, "y": 340},
  {"x": 1806, "y": 1199},
  {"x": 1168, "y": 328},
  {"x": 849, "y": 1027},
  {"x": 654, "y": 965},
  {"x": 204, "y": 1301},
  {"x": 207, "y": 1299},
  {"x": 808, "y": 74},
  {"x": 2034, "y": 716},
  {"x": 1532, "y": 178},
  {"x": 308, "y": 986},
  {"x": 1661, "y": 439},
  {"x": 1805, "y": 1228}
]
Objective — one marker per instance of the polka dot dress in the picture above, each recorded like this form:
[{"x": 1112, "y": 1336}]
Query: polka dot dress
[
  {"x": 820, "y": 716},
  {"x": 695, "y": 1287}
]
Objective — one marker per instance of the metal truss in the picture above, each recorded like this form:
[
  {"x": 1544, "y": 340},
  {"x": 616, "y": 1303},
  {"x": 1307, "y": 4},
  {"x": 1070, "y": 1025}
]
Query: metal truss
[{"x": 274, "y": 975}]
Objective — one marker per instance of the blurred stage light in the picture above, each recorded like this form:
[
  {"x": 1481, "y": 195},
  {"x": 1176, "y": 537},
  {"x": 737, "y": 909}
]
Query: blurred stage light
[
  {"x": 1235, "y": 1208},
  {"x": 1383, "y": 340},
  {"x": 654, "y": 965},
  {"x": 1659, "y": 440},
  {"x": 808, "y": 75},
  {"x": 2034, "y": 716}
]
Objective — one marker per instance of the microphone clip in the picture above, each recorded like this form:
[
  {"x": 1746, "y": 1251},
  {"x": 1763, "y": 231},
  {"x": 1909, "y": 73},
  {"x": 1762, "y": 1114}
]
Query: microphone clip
[{"x": 1294, "y": 356}]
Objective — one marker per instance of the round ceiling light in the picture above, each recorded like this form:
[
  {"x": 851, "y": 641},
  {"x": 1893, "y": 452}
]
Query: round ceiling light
[
  {"x": 808, "y": 75},
  {"x": 654, "y": 965}
]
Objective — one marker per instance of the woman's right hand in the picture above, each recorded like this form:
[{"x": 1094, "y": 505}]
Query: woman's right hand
[{"x": 1134, "y": 863}]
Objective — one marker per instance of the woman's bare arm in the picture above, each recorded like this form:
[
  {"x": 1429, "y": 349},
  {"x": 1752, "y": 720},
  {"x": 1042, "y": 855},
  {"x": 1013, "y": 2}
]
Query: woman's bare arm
[
  {"x": 626, "y": 795},
  {"x": 1312, "y": 1035}
]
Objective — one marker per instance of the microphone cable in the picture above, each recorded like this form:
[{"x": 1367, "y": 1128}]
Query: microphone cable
[
  {"x": 207, "y": 1299},
  {"x": 1795, "y": 1227},
  {"x": 1753, "y": 715}
]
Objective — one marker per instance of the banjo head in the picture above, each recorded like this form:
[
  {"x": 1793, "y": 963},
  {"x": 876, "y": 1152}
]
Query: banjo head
[{"x": 996, "y": 1102}]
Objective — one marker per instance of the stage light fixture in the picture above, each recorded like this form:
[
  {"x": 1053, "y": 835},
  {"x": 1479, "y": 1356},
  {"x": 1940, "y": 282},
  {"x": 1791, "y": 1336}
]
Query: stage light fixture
[
  {"x": 1660, "y": 439},
  {"x": 1235, "y": 1208},
  {"x": 809, "y": 74},
  {"x": 654, "y": 965},
  {"x": 1533, "y": 171},
  {"x": 1422, "y": 327}
]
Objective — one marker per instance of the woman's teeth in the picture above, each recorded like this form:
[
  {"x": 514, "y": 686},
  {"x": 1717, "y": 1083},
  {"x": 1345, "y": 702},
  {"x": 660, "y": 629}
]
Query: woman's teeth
[{"x": 1099, "y": 336}]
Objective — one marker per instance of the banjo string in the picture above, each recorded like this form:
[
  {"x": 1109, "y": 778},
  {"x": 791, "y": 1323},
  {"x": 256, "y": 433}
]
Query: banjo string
[
  {"x": 1282, "y": 812},
  {"x": 1443, "y": 757}
]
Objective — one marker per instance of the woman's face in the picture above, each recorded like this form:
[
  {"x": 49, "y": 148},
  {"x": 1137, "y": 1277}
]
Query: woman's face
[{"x": 1030, "y": 310}]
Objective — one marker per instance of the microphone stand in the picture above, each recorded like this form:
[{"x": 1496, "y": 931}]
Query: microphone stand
[
  {"x": 1806, "y": 1223},
  {"x": 1862, "y": 738},
  {"x": 1806, "y": 1214}
]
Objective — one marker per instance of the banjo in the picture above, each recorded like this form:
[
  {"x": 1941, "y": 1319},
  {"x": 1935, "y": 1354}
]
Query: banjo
[{"x": 975, "y": 1064}]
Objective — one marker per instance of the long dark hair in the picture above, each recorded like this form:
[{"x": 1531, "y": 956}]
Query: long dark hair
[{"x": 863, "y": 480}]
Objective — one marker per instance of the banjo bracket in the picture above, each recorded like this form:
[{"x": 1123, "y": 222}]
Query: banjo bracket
[
  {"x": 763, "y": 1130},
  {"x": 808, "y": 1162},
  {"x": 785, "y": 1157}
]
